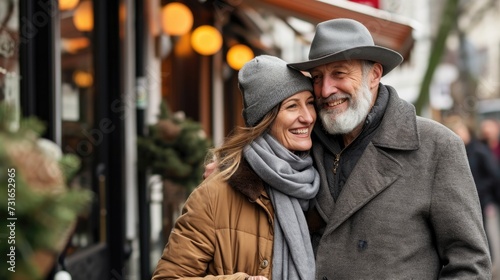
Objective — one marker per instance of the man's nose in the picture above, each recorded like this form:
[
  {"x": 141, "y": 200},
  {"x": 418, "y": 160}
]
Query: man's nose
[{"x": 328, "y": 87}]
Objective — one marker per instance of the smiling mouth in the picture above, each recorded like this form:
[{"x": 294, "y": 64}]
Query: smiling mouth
[
  {"x": 300, "y": 131},
  {"x": 336, "y": 102}
]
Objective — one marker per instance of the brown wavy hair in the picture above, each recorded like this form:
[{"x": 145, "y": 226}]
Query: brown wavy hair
[{"x": 229, "y": 155}]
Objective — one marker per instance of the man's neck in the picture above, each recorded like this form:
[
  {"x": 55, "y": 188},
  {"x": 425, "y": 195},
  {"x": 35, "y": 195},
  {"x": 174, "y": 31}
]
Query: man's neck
[{"x": 351, "y": 136}]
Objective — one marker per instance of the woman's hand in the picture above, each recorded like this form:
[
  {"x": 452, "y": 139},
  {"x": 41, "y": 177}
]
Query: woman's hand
[{"x": 256, "y": 278}]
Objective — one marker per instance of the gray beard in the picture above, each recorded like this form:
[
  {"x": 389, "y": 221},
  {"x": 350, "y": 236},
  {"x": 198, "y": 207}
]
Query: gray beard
[{"x": 346, "y": 122}]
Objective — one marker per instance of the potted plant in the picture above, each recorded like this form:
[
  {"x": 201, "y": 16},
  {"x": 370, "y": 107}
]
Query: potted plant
[{"x": 37, "y": 206}]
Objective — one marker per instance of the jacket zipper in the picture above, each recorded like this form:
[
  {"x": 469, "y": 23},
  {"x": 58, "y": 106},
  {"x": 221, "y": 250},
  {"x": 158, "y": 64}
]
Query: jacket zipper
[{"x": 336, "y": 163}]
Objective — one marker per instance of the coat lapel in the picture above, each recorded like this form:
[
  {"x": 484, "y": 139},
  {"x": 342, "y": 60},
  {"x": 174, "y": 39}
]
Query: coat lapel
[{"x": 374, "y": 172}]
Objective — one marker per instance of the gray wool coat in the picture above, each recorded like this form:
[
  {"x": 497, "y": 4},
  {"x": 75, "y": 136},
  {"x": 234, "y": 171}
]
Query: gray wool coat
[{"x": 409, "y": 209}]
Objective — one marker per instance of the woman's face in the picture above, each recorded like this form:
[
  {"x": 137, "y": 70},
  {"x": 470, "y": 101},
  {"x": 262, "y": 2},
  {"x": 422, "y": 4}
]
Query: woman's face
[{"x": 294, "y": 123}]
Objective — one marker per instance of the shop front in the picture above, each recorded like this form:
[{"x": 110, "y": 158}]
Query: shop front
[{"x": 70, "y": 65}]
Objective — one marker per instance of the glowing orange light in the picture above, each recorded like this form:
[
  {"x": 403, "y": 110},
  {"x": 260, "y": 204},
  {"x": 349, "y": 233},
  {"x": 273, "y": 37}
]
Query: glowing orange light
[
  {"x": 83, "y": 79},
  {"x": 176, "y": 19},
  {"x": 238, "y": 55},
  {"x": 75, "y": 44},
  {"x": 83, "y": 18},
  {"x": 206, "y": 40},
  {"x": 67, "y": 4}
]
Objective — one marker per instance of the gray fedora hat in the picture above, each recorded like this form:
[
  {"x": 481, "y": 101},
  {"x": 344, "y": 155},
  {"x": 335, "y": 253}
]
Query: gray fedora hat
[{"x": 346, "y": 39}]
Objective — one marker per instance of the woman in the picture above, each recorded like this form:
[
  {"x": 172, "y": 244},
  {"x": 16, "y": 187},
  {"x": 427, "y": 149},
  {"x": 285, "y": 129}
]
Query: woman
[{"x": 246, "y": 220}]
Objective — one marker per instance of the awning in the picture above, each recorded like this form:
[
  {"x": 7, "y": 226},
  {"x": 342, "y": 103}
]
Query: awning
[{"x": 388, "y": 30}]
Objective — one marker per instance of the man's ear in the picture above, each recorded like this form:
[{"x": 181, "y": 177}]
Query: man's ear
[{"x": 376, "y": 74}]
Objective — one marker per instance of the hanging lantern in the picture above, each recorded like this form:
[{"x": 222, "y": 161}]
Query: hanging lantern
[
  {"x": 83, "y": 79},
  {"x": 83, "y": 18},
  {"x": 67, "y": 4},
  {"x": 176, "y": 19},
  {"x": 238, "y": 55},
  {"x": 206, "y": 40}
]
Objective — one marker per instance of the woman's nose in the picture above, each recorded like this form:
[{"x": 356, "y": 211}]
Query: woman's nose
[{"x": 307, "y": 116}]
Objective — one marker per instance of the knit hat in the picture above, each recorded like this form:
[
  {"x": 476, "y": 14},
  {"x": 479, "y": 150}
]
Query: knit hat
[{"x": 265, "y": 82}]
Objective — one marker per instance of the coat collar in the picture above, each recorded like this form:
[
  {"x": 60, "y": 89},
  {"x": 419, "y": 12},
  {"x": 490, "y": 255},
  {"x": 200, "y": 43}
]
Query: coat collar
[
  {"x": 246, "y": 181},
  {"x": 398, "y": 129}
]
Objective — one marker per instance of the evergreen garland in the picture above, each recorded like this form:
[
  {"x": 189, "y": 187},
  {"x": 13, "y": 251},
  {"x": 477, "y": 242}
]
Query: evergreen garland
[{"x": 175, "y": 148}]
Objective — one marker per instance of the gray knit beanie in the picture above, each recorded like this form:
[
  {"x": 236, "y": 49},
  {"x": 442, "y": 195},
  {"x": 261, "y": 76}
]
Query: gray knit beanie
[{"x": 265, "y": 82}]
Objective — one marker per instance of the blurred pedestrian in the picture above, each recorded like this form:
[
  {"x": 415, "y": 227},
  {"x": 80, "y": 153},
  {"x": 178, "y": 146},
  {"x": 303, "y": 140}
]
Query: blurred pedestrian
[
  {"x": 483, "y": 165},
  {"x": 490, "y": 134},
  {"x": 481, "y": 161},
  {"x": 247, "y": 221}
]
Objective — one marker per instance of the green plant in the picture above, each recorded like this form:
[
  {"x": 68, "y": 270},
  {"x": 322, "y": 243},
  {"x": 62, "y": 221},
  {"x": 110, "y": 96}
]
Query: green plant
[
  {"x": 37, "y": 205},
  {"x": 174, "y": 148}
]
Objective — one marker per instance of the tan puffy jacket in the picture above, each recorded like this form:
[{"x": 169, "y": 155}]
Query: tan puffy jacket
[{"x": 225, "y": 231}]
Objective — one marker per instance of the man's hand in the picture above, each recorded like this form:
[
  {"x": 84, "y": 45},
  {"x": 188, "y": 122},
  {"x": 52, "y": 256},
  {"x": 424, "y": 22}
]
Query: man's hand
[{"x": 209, "y": 169}]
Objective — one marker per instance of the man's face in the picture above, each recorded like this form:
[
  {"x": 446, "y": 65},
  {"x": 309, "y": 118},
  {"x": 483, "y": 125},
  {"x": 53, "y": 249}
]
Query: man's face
[{"x": 343, "y": 95}]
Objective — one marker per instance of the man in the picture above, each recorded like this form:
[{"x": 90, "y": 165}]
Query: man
[{"x": 397, "y": 199}]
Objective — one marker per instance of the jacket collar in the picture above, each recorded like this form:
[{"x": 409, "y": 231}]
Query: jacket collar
[
  {"x": 398, "y": 129},
  {"x": 246, "y": 181}
]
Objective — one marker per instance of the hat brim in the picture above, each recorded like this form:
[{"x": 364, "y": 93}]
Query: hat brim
[{"x": 388, "y": 58}]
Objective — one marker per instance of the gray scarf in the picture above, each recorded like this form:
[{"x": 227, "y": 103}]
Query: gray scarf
[{"x": 293, "y": 182}]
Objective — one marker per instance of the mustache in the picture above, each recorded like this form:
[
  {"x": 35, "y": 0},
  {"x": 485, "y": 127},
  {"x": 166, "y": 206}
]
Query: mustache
[{"x": 333, "y": 98}]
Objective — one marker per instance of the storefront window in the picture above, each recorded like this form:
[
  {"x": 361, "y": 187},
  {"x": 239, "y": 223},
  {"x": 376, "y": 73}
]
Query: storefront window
[
  {"x": 9, "y": 53},
  {"x": 77, "y": 93}
]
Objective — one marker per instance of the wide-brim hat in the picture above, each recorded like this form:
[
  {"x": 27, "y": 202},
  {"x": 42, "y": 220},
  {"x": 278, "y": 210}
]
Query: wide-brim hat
[{"x": 346, "y": 39}]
